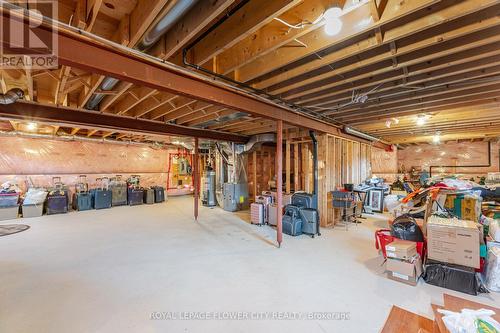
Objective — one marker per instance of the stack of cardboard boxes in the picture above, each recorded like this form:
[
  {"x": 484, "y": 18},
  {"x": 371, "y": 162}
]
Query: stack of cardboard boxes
[{"x": 403, "y": 262}]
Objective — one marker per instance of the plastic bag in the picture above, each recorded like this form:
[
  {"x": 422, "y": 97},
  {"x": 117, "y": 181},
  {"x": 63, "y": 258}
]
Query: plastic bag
[
  {"x": 470, "y": 321},
  {"x": 492, "y": 273},
  {"x": 405, "y": 227},
  {"x": 35, "y": 196},
  {"x": 495, "y": 230}
]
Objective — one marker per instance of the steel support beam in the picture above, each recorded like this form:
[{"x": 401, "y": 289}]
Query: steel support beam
[
  {"x": 29, "y": 111},
  {"x": 196, "y": 175},
  {"x": 279, "y": 180},
  {"x": 80, "y": 50}
]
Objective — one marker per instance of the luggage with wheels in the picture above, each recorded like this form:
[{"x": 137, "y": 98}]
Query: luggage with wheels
[
  {"x": 135, "y": 196},
  {"x": 310, "y": 221},
  {"x": 257, "y": 213},
  {"x": 273, "y": 215},
  {"x": 57, "y": 202},
  {"x": 266, "y": 200},
  {"x": 119, "y": 191},
  {"x": 159, "y": 193},
  {"x": 82, "y": 199},
  {"x": 302, "y": 199},
  {"x": 292, "y": 223},
  {"x": 102, "y": 196},
  {"x": 149, "y": 196}
]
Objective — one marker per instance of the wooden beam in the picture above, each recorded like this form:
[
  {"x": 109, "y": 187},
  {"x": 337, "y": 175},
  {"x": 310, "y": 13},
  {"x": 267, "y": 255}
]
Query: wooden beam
[
  {"x": 204, "y": 115},
  {"x": 296, "y": 181},
  {"x": 279, "y": 180},
  {"x": 242, "y": 23},
  {"x": 28, "y": 111},
  {"x": 120, "y": 89},
  {"x": 254, "y": 173},
  {"x": 151, "y": 103},
  {"x": 143, "y": 16},
  {"x": 132, "y": 99},
  {"x": 288, "y": 178},
  {"x": 199, "y": 17}
]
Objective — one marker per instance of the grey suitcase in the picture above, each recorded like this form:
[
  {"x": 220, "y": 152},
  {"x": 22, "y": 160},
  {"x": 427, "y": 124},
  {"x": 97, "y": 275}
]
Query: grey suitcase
[
  {"x": 119, "y": 189},
  {"x": 272, "y": 219},
  {"x": 149, "y": 196},
  {"x": 257, "y": 215},
  {"x": 310, "y": 221},
  {"x": 292, "y": 223}
]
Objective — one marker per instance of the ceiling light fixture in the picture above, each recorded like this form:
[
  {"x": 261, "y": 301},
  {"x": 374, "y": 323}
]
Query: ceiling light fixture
[
  {"x": 333, "y": 24},
  {"x": 421, "y": 120},
  {"x": 31, "y": 126},
  {"x": 436, "y": 138},
  {"x": 388, "y": 124}
]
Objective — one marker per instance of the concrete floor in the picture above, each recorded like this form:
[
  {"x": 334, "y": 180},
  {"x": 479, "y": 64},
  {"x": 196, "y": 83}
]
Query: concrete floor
[{"x": 109, "y": 270}]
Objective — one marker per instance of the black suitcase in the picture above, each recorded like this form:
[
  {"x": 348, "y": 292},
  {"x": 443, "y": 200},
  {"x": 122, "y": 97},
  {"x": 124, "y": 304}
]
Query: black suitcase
[
  {"x": 302, "y": 200},
  {"x": 292, "y": 223},
  {"x": 149, "y": 196},
  {"x": 135, "y": 196},
  {"x": 310, "y": 221},
  {"x": 57, "y": 202},
  {"x": 159, "y": 193}
]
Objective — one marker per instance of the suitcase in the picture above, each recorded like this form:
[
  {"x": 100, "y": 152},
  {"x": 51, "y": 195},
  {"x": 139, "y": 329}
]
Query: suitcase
[
  {"x": 257, "y": 213},
  {"x": 149, "y": 196},
  {"x": 310, "y": 221},
  {"x": 159, "y": 193},
  {"x": 82, "y": 201},
  {"x": 119, "y": 191},
  {"x": 302, "y": 199},
  {"x": 135, "y": 196},
  {"x": 272, "y": 218},
  {"x": 292, "y": 223},
  {"x": 57, "y": 202},
  {"x": 9, "y": 199},
  {"x": 266, "y": 200},
  {"x": 101, "y": 198}
]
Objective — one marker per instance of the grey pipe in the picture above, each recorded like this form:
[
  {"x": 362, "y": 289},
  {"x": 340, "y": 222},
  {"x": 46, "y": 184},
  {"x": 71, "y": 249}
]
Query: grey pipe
[
  {"x": 11, "y": 96},
  {"x": 151, "y": 37}
]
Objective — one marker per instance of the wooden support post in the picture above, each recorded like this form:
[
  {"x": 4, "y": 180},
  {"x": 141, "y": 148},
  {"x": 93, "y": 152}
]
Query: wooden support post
[
  {"x": 196, "y": 182},
  {"x": 307, "y": 167},
  {"x": 287, "y": 166},
  {"x": 254, "y": 169},
  {"x": 296, "y": 180},
  {"x": 279, "y": 180}
]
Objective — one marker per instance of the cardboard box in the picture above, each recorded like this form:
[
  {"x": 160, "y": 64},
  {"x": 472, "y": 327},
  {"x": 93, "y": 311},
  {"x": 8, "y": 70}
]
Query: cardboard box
[
  {"x": 401, "y": 249},
  {"x": 9, "y": 213},
  {"x": 453, "y": 241},
  {"x": 404, "y": 271}
]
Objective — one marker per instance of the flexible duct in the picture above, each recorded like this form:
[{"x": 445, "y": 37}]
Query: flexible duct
[
  {"x": 257, "y": 140},
  {"x": 11, "y": 96},
  {"x": 151, "y": 37},
  {"x": 359, "y": 134}
]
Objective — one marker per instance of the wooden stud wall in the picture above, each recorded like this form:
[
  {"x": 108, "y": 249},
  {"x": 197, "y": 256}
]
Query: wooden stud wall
[{"x": 261, "y": 167}]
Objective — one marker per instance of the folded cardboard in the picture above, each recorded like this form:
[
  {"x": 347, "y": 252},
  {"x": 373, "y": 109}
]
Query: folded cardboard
[
  {"x": 453, "y": 241},
  {"x": 401, "y": 249},
  {"x": 404, "y": 271}
]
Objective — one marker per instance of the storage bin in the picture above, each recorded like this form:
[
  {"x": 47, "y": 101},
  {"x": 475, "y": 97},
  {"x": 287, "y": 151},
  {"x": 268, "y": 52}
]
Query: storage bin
[
  {"x": 32, "y": 210},
  {"x": 9, "y": 213},
  {"x": 9, "y": 199}
]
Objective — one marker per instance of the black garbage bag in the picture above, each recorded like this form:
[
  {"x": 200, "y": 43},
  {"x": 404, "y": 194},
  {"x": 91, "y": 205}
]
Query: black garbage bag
[
  {"x": 454, "y": 277},
  {"x": 405, "y": 227}
]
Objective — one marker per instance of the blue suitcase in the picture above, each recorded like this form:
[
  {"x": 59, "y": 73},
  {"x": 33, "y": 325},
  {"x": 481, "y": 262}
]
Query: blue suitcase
[
  {"x": 292, "y": 223},
  {"x": 135, "y": 196},
  {"x": 310, "y": 221},
  {"x": 82, "y": 201},
  {"x": 57, "y": 203},
  {"x": 159, "y": 193},
  {"x": 101, "y": 198},
  {"x": 302, "y": 199}
]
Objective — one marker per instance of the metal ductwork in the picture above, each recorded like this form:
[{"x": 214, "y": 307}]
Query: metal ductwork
[
  {"x": 257, "y": 140},
  {"x": 223, "y": 119},
  {"x": 359, "y": 134},
  {"x": 151, "y": 37},
  {"x": 315, "y": 168},
  {"x": 11, "y": 96}
]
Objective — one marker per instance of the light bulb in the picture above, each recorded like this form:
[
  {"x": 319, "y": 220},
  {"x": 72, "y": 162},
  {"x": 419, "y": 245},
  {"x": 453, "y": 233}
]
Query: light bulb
[
  {"x": 421, "y": 120},
  {"x": 31, "y": 126},
  {"x": 333, "y": 27},
  {"x": 332, "y": 13},
  {"x": 388, "y": 124},
  {"x": 436, "y": 138}
]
